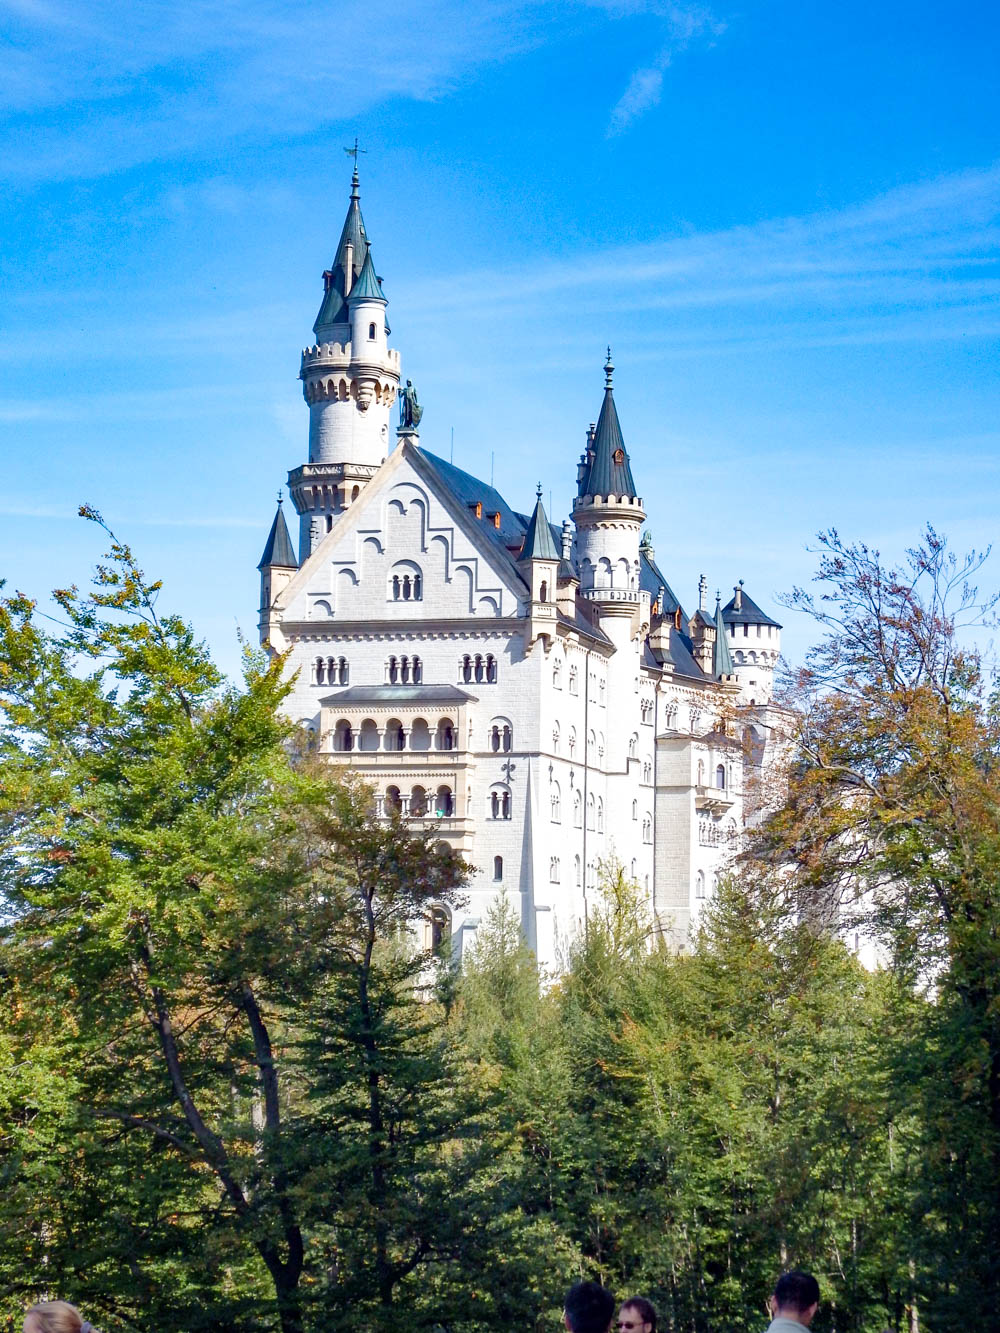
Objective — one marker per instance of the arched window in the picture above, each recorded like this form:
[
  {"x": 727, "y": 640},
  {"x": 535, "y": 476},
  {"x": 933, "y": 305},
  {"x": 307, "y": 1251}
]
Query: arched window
[
  {"x": 407, "y": 586},
  {"x": 418, "y": 588},
  {"x": 393, "y": 800},
  {"x": 571, "y": 743},
  {"x": 479, "y": 669},
  {"x": 591, "y": 807},
  {"x": 406, "y": 582},
  {"x": 647, "y": 771},
  {"x": 418, "y": 801},
  {"x": 494, "y": 738},
  {"x": 555, "y": 806},
  {"x": 633, "y": 744},
  {"x": 466, "y": 669},
  {"x": 345, "y": 671},
  {"x": 343, "y": 737},
  {"x": 543, "y": 591},
  {"x": 557, "y": 674},
  {"x": 491, "y": 669},
  {"x": 554, "y": 870},
  {"x": 647, "y": 827},
  {"x": 555, "y": 737},
  {"x": 418, "y": 670},
  {"x": 635, "y": 810},
  {"x": 498, "y": 867},
  {"x": 445, "y": 735},
  {"x": 319, "y": 671},
  {"x": 600, "y": 692},
  {"x": 440, "y": 932},
  {"x": 392, "y": 670},
  {"x": 505, "y": 805},
  {"x": 444, "y": 804},
  {"x": 508, "y": 738},
  {"x": 699, "y": 884},
  {"x": 577, "y": 870},
  {"x": 720, "y": 777},
  {"x": 573, "y": 679},
  {"x": 371, "y": 332},
  {"x": 600, "y": 815},
  {"x": 395, "y": 587},
  {"x": 495, "y": 804}
]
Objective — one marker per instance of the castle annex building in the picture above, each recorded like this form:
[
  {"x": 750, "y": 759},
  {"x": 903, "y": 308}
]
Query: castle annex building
[{"x": 535, "y": 693}]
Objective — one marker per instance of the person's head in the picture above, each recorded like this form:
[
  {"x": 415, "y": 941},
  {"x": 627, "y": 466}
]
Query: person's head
[
  {"x": 55, "y": 1317},
  {"x": 589, "y": 1308},
  {"x": 637, "y": 1315},
  {"x": 796, "y": 1296}
]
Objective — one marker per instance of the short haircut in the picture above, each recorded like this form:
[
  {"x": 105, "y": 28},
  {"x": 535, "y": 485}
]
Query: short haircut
[
  {"x": 645, "y": 1310},
  {"x": 796, "y": 1291},
  {"x": 589, "y": 1308}
]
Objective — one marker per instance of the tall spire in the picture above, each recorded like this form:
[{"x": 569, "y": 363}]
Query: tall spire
[
  {"x": 278, "y": 552},
  {"x": 352, "y": 252},
  {"x": 538, "y": 543},
  {"x": 722, "y": 662},
  {"x": 606, "y": 469}
]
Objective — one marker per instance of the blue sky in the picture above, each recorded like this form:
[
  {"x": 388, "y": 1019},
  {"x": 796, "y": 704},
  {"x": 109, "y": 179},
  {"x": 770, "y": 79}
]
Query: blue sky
[{"x": 782, "y": 217}]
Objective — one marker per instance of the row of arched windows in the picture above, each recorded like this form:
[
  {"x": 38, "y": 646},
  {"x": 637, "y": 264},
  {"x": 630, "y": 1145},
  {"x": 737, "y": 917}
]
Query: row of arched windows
[
  {"x": 478, "y": 668},
  {"x": 501, "y": 737},
  {"x": 393, "y": 735},
  {"x": 404, "y": 671},
  {"x": 406, "y": 587},
  {"x": 420, "y": 803},
  {"x": 500, "y": 804},
  {"x": 557, "y": 669},
  {"x": 331, "y": 671}
]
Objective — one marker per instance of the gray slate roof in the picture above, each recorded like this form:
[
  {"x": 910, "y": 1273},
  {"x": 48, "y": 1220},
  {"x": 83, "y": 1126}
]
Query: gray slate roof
[
  {"x": 399, "y": 694},
  {"x": 367, "y": 287},
  {"x": 606, "y": 467},
  {"x": 333, "y": 309},
  {"x": 279, "y": 551},
  {"x": 538, "y": 540},
  {"x": 651, "y": 580},
  {"x": 722, "y": 662},
  {"x": 748, "y": 614}
]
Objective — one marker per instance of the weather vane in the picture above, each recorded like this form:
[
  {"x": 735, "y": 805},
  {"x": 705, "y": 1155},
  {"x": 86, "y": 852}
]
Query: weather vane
[{"x": 353, "y": 152}]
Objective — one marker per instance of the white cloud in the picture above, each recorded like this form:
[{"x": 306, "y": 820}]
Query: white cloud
[{"x": 680, "y": 24}]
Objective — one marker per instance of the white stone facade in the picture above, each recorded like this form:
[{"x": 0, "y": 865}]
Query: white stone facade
[{"x": 543, "y": 715}]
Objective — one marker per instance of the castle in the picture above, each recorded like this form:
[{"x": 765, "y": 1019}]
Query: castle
[{"x": 535, "y": 694}]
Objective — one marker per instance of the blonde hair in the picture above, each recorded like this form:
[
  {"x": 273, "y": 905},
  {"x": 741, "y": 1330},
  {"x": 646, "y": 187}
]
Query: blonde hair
[{"x": 60, "y": 1317}]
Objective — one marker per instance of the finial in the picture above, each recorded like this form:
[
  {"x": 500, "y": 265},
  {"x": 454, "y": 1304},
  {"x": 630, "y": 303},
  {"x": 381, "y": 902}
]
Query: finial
[
  {"x": 718, "y": 599},
  {"x": 538, "y": 491},
  {"x": 281, "y": 498},
  {"x": 353, "y": 152},
  {"x": 609, "y": 367}
]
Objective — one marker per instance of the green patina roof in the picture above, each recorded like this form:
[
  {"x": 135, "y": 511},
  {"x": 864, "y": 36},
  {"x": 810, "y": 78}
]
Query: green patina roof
[
  {"x": 722, "y": 662},
  {"x": 538, "y": 543},
  {"x": 279, "y": 550},
  {"x": 367, "y": 287},
  {"x": 606, "y": 466},
  {"x": 334, "y": 307}
]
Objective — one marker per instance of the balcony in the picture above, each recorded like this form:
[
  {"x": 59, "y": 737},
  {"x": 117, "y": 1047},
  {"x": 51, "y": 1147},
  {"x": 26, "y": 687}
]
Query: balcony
[{"x": 715, "y": 799}]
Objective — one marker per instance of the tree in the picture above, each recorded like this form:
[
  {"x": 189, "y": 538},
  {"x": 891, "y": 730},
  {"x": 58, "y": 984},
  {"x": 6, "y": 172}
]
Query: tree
[
  {"x": 891, "y": 827},
  {"x": 166, "y": 933}
]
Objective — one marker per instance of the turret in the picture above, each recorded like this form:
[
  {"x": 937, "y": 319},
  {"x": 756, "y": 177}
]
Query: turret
[
  {"x": 754, "y": 641},
  {"x": 350, "y": 379},
  {"x": 277, "y": 565},
  {"x": 608, "y": 515},
  {"x": 539, "y": 561}
]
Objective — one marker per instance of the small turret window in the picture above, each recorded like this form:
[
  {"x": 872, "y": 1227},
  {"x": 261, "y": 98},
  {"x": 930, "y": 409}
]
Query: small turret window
[
  {"x": 371, "y": 332},
  {"x": 619, "y": 456}
]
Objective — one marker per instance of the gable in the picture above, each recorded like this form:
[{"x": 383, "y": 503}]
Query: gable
[{"x": 404, "y": 550}]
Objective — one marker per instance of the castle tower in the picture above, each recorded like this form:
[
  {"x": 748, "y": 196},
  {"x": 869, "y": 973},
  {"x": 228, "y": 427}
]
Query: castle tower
[
  {"x": 277, "y": 565},
  {"x": 350, "y": 379},
  {"x": 754, "y": 645},
  {"x": 608, "y": 515},
  {"x": 540, "y": 559}
]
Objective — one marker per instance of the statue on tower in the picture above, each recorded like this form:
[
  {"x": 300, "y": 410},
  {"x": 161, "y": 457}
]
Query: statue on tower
[{"x": 410, "y": 410}]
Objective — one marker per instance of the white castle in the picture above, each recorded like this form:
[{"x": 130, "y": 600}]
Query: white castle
[{"x": 537, "y": 695}]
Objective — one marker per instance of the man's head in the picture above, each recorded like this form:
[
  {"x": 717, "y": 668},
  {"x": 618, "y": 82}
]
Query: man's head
[
  {"x": 637, "y": 1315},
  {"x": 796, "y": 1296},
  {"x": 589, "y": 1308}
]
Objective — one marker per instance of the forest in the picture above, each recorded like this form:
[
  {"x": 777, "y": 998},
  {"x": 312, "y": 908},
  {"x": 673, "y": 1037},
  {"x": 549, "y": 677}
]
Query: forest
[{"x": 238, "y": 1094}]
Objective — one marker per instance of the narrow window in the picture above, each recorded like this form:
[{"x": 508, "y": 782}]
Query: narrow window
[
  {"x": 491, "y": 669},
  {"x": 320, "y": 670},
  {"x": 406, "y": 587},
  {"x": 479, "y": 670},
  {"x": 720, "y": 777},
  {"x": 508, "y": 738},
  {"x": 393, "y": 671},
  {"x": 506, "y": 805},
  {"x": 404, "y": 671},
  {"x": 495, "y": 739},
  {"x": 345, "y": 671},
  {"x": 495, "y": 805},
  {"x": 498, "y": 867},
  {"x": 466, "y": 669},
  {"x": 395, "y": 587},
  {"x": 440, "y": 926},
  {"x": 417, "y": 586},
  {"x": 418, "y": 671},
  {"x": 543, "y": 591},
  {"x": 371, "y": 332}
]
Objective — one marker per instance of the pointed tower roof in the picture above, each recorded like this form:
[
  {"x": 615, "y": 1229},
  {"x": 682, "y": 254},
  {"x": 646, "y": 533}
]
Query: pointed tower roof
[
  {"x": 606, "y": 469},
  {"x": 279, "y": 551},
  {"x": 367, "y": 287},
  {"x": 334, "y": 307},
  {"x": 741, "y": 609},
  {"x": 538, "y": 543},
  {"x": 722, "y": 662}
]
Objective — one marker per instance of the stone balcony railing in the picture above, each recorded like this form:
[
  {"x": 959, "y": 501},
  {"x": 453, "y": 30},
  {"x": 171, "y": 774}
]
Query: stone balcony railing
[{"x": 610, "y": 594}]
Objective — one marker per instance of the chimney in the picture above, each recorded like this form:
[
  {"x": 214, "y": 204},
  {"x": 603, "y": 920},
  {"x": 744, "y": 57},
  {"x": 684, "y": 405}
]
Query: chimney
[
  {"x": 738, "y": 596},
  {"x": 703, "y": 593},
  {"x": 567, "y": 540}
]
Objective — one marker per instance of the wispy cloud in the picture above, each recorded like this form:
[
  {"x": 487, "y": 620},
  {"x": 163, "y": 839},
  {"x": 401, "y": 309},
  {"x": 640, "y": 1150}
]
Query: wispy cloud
[{"x": 680, "y": 24}]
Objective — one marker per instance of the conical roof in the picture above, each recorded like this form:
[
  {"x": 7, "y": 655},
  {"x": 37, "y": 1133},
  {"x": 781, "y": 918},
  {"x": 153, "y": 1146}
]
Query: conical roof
[
  {"x": 278, "y": 551},
  {"x": 538, "y": 543},
  {"x": 722, "y": 662},
  {"x": 747, "y": 612},
  {"x": 606, "y": 467},
  {"x": 334, "y": 308},
  {"x": 367, "y": 287}
]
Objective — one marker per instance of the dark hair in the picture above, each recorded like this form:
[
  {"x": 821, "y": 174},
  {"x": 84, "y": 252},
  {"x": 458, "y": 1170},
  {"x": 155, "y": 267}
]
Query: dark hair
[
  {"x": 589, "y": 1307},
  {"x": 796, "y": 1291},
  {"x": 646, "y": 1310}
]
